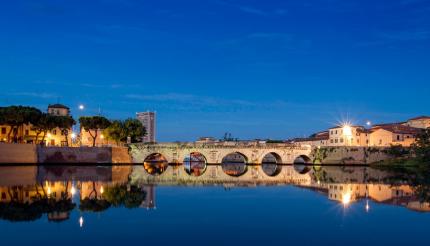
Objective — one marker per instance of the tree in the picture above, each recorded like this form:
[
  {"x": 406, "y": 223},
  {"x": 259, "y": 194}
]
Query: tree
[
  {"x": 422, "y": 145},
  {"x": 115, "y": 131},
  {"x": 94, "y": 123},
  {"x": 65, "y": 123},
  {"x": 16, "y": 117},
  {"x": 45, "y": 123},
  {"x": 119, "y": 131},
  {"x": 134, "y": 129}
]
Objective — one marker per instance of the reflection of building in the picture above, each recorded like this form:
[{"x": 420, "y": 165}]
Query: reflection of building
[
  {"x": 148, "y": 121},
  {"x": 149, "y": 202}
]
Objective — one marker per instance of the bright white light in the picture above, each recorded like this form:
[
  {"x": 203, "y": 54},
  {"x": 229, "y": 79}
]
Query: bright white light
[
  {"x": 102, "y": 190},
  {"x": 49, "y": 191},
  {"x": 368, "y": 123},
  {"x": 73, "y": 135},
  {"x": 73, "y": 190},
  {"x": 367, "y": 206},
  {"x": 347, "y": 130},
  {"x": 81, "y": 222},
  {"x": 346, "y": 199},
  {"x": 102, "y": 136},
  {"x": 81, "y": 107},
  {"x": 49, "y": 135}
]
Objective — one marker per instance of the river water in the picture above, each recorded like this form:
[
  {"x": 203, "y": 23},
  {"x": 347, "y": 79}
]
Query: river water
[{"x": 199, "y": 204}]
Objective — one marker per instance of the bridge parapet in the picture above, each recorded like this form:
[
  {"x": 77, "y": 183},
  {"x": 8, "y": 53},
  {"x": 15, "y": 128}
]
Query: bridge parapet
[{"x": 215, "y": 152}]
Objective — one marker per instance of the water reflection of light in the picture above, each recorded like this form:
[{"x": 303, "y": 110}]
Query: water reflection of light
[
  {"x": 346, "y": 199},
  {"x": 81, "y": 222},
  {"x": 73, "y": 190},
  {"x": 49, "y": 191},
  {"x": 102, "y": 190},
  {"x": 367, "y": 206}
]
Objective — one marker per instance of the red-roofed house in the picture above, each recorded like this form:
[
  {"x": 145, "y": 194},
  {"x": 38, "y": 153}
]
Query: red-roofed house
[{"x": 422, "y": 122}]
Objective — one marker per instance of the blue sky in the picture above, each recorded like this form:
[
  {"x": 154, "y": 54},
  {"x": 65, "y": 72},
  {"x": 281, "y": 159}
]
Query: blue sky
[{"x": 257, "y": 69}]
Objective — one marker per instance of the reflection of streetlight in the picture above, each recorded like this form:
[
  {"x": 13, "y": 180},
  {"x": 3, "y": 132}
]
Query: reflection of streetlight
[
  {"x": 73, "y": 190},
  {"x": 81, "y": 221},
  {"x": 346, "y": 199},
  {"x": 367, "y": 206}
]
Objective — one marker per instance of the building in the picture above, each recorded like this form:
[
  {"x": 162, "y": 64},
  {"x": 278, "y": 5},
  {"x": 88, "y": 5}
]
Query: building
[
  {"x": 27, "y": 133},
  {"x": 100, "y": 141},
  {"x": 385, "y": 135},
  {"x": 347, "y": 135},
  {"x": 317, "y": 139},
  {"x": 58, "y": 110},
  {"x": 381, "y": 135},
  {"x": 422, "y": 122},
  {"x": 148, "y": 121}
]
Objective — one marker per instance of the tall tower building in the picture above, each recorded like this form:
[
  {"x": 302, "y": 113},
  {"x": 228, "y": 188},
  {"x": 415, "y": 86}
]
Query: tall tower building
[{"x": 148, "y": 121}]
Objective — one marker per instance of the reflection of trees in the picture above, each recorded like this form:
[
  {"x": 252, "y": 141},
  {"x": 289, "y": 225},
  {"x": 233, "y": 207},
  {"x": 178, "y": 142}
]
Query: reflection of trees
[
  {"x": 94, "y": 205},
  {"x": 416, "y": 176},
  {"x": 18, "y": 211},
  {"x": 120, "y": 195},
  {"x": 117, "y": 196}
]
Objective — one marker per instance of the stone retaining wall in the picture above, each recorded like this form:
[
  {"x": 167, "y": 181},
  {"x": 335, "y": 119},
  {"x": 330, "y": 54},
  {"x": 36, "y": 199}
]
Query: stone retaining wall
[
  {"x": 32, "y": 154},
  {"x": 18, "y": 153},
  {"x": 349, "y": 155}
]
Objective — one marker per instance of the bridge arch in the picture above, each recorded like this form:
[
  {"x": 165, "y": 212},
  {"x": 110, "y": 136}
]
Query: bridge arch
[
  {"x": 155, "y": 164},
  {"x": 235, "y": 157},
  {"x": 271, "y": 158},
  {"x": 195, "y": 164},
  {"x": 302, "y": 159}
]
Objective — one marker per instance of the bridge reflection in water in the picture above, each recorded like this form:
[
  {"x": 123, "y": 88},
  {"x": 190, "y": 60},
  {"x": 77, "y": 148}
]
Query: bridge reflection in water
[{"x": 27, "y": 193}]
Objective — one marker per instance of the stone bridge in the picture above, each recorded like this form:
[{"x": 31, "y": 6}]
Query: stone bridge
[{"x": 218, "y": 152}]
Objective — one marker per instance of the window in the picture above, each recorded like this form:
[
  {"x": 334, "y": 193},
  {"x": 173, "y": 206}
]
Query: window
[
  {"x": 3, "y": 130},
  {"x": 26, "y": 132},
  {"x": 331, "y": 140},
  {"x": 398, "y": 137},
  {"x": 331, "y": 132},
  {"x": 341, "y": 140},
  {"x": 335, "y": 140},
  {"x": 54, "y": 132},
  {"x": 380, "y": 141},
  {"x": 336, "y": 131}
]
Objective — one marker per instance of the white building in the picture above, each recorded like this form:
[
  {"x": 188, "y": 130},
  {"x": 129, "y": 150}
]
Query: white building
[{"x": 148, "y": 121}]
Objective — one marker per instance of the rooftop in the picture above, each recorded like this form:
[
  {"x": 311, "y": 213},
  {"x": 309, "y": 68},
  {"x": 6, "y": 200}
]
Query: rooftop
[{"x": 57, "y": 105}]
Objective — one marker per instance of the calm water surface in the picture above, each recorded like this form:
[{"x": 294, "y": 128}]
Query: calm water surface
[{"x": 227, "y": 204}]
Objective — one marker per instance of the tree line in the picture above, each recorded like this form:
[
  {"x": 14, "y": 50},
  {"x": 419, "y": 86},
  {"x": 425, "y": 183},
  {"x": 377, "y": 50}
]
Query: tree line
[{"x": 16, "y": 117}]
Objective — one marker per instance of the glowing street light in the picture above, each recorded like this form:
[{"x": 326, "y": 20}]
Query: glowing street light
[{"x": 73, "y": 135}]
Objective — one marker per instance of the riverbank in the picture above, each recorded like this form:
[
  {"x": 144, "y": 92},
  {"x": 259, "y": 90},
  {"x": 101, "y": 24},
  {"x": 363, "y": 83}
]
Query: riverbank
[{"x": 34, "y": 154}]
